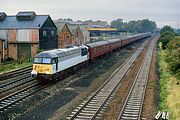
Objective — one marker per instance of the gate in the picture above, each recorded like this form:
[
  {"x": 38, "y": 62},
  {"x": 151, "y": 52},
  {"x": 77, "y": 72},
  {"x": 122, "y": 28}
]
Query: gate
[{"x": 24, "y": 51}]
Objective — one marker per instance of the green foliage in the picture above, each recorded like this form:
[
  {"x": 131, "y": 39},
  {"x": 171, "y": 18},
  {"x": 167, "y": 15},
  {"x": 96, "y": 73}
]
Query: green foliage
[
  {"x": 173, "y": 56},
  {"x": 172, "y": 46},
  {"x": 40, "y": 50},
  {"x": 134, "y": 26},
  {"x": 165, "y": 38},
  {"x": 169, "y": 90},
  {"x": 10, "y": 65},
  {"x": 164, "y": 75},
  {"x": 119, "y": 24},
  {"x": 167, "y": 28}
]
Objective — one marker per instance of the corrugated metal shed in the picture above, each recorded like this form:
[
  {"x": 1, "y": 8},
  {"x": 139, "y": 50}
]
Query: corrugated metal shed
[
  {"x": 12, "y": 23},
  {"x": 27, "y": 35}
]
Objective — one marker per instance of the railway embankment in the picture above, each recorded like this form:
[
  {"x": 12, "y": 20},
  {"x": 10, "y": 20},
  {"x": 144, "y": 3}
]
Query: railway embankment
[
  {"x": 12, "y": 66},
  {"x": 169, "y": 88}
]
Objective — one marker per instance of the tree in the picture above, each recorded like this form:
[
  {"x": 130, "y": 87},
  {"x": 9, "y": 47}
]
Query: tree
[
  {"x": 118, "y": 24},
  {"x": 165, "y": 38},
  {"x": 173, "y": 56},
  {"x": 167, "y": 28},
  {"x": 134, "y": 26}
]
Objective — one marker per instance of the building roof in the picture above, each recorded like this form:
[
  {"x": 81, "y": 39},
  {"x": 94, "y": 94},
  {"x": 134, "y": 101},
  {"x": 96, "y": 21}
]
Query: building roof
[
  {"x": 72, "y": 28},
  {"x": 10, "y": 22},
  {"x": 59, "y": 26},
  {"x": 102, "y": 29},
  {"x": 26, "y": 13},
  {"x": 84, "y": 30},
  {"x": 2, "y": 16},
  {"x": 2, "y": 39}
]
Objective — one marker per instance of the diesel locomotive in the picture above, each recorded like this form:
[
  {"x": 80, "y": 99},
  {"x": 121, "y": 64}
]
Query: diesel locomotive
[{"x": 50, "y": 64}]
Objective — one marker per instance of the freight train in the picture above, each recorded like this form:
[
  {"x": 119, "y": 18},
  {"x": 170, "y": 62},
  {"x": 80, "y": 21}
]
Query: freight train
[{"x": 53, "y": 64}]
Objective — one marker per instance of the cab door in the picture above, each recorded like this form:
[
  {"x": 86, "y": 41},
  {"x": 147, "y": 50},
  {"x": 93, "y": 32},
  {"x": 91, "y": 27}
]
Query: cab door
[{"x": 55, "y": 64}]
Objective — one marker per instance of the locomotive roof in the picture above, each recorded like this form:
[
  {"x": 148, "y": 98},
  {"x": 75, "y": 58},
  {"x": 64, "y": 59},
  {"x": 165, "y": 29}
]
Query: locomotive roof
[
  {"x": 100, "y": 43},
  {"x": 60, "y": 52}
]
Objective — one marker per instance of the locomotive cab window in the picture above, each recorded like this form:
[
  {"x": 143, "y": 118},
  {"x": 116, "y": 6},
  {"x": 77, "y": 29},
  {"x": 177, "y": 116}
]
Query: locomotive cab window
[
  {"x": 84, "y": 51},
  {"x": 54, "y": 60},
  {"x": 46, "y": 60},
  {"x": 37, "y": 60},
  {"x": 42, "y": 60}
]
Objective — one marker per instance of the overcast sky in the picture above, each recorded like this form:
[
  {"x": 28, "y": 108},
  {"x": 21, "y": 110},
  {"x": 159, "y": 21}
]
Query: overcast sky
[{"x": 161, "y": 11}]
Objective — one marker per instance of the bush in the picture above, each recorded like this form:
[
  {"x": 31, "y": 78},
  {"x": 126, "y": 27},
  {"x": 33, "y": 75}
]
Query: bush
[
  {"x": 165, "y": 38},
  {"x": 167, "y": 28},
  {"x": 173, "y": 56}
]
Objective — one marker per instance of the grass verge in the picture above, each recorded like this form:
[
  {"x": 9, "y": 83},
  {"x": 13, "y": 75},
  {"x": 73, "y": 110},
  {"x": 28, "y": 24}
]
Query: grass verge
[
  {"x": 13, "y": 65},
  {"x": 169, "y": 89}
]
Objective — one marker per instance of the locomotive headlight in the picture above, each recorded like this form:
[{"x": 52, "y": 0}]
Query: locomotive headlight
[{"x": 33, "y": 73}]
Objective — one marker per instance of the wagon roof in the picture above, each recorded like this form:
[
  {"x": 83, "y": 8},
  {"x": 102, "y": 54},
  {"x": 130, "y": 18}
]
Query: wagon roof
[
  {"x": 114, "y": 40},
  {"x": 96, "y": 44}
]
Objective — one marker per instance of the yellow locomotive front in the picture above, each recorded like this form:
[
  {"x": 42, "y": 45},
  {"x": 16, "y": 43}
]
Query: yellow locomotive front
[{"x": 42, "y": 68}]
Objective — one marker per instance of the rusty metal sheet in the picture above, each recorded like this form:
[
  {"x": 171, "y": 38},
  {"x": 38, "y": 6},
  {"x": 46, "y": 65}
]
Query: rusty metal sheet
[
  {"x": 11, "y": 35},
  {"x": 27, "y": 35}
]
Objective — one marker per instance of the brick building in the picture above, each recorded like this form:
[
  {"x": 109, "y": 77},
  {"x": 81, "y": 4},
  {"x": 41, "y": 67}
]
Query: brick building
[
  {"x": 77, "y": 34},
  {"x": 3, "y": 51},
  {"x": 26, "y": 33},
  {"x": 65, "y": 37},
  {"x": 86, "y": 34}
]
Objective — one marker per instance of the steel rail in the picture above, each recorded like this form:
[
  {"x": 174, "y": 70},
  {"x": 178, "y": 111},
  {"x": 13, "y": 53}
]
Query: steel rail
[
  {"x": 90, "y": 109},
  {"x": 20, "y": 95},
  {"x": 133, "y": 105}
]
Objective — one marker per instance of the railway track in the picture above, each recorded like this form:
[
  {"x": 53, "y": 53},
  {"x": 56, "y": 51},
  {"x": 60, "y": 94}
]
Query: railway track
[
  {"x": 133, "y": 105},
  {"x": 91, "y": 108},
  {"x": 16, "y": 73},
  {"x": 20, "y": 95},
  {"x": 15, "y": 82}
]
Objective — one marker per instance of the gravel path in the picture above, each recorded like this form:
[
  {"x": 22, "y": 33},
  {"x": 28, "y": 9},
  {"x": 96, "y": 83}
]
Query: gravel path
[
  {"x": 119, "y": 98},
  {"x": 150, "y": 106},
  {"x": 151, "y": 96}
]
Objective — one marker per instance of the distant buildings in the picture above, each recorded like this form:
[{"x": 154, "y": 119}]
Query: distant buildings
[
  {"x": 26, "y": 33},
  {"x": 65, "y": 37},
  {"x": 70, "y": 34},
  {"x": 23, "y": 35}
]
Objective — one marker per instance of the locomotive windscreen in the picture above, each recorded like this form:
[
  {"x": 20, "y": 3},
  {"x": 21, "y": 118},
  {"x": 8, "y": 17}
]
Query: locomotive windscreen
[{"x": 42, "y": 60}]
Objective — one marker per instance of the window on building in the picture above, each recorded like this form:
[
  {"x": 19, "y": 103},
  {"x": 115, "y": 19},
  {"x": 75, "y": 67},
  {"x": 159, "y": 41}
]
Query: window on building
[
  {"x": 44, "y": 33},
  {"x": 52, "y": 33}
]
